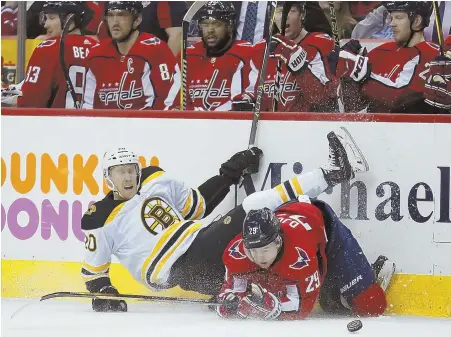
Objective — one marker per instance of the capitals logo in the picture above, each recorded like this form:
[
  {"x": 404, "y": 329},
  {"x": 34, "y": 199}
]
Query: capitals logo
[
  {"x": 234, "y": 251},
  {"x": 46, "y": 43},
  {"x": 302, "y": 260},
  {"x": 151, "y": 41}
]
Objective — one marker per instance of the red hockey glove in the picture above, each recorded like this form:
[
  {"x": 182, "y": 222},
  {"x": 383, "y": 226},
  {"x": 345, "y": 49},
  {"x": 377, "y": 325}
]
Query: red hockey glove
[
  {"x": 229, "y": 306},
  {"x": 293, "y": 55},
  {"x": 243, "y": 102},
  {"x": 260, "y": 303},
  {"x": 356, "y": 67},
  {"x": 437, "y": 90}
]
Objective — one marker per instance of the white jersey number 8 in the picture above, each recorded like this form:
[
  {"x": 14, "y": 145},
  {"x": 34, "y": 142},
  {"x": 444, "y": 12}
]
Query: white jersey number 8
[{"x": 165, "y": 75}]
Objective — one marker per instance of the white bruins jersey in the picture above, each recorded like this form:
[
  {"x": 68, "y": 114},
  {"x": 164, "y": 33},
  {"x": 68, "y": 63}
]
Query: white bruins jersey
[{"x": 147, "y": 233}]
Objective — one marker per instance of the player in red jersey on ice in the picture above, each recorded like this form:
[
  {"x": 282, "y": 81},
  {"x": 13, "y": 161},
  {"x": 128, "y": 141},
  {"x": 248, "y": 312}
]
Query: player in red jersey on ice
[
  {"x": 217, "y": 66},
  {"x": 283, "y": 261},
  {"x": 305, "y": 84},
  {"x": 392, "y": 77},
  {"x": 45, "y": 83},
  {"x": 132, "y": 70}
]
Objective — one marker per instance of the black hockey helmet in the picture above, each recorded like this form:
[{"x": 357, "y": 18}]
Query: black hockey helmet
[
  {"x": 135, "y": 7},
  {"x": 299, "y": 4},
  {"x": 421, "y": 8},
  {"x": 218, "y": 10},
  {"x": 81, "y": 11},
  {"x": 260, "y": 228}
]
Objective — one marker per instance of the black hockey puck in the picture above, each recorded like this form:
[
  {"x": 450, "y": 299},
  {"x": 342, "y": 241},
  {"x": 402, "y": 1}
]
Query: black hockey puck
[{"x": 355, "y": 325}]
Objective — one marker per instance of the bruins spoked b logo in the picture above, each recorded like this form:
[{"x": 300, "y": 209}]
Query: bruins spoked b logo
[{"x": 157, "y": 215}]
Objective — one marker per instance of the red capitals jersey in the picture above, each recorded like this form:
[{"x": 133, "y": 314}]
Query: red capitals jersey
[
  {"x": 448, "y": 43},
  {"x": 398, "y": 76},
  {"x": 45, "y": 85},
  {"x": 310, "y": 90},
  {"x": 298, "y": 272},
  {"x": 213, "y": 81},
  {"x": 145, "y": 78}
]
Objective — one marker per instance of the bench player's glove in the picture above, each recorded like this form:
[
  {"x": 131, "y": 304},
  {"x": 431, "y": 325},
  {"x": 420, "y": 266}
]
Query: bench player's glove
[
  {"x": 242, "y": 163},
  {"x": 350, "y": 61},
  {"x": 293, "y": 55},
  {"x": 437, "y": 90},
  {"x": 260, "y": 304},
  {"x": 105, "y": 305},
  {"x": 243, "y": 102}
]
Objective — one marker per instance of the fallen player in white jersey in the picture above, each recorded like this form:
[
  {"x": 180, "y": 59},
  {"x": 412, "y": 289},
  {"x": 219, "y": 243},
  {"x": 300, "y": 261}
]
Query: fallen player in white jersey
[{"x": 146, "y": 220}]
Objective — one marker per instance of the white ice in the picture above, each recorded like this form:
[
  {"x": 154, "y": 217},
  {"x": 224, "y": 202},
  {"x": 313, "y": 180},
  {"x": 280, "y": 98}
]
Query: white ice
[{"x": 74, "y": 318}]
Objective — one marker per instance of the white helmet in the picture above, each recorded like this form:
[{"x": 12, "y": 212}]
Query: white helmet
[{"x": 120, "y": 156}]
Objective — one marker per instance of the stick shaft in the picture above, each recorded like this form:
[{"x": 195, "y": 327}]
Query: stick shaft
[
  {"x": 127, "y": 296},
  {"x": 70, "y": 86},
  {"x": 438, "y": 24},
  {"x": 270, "y": 13}
]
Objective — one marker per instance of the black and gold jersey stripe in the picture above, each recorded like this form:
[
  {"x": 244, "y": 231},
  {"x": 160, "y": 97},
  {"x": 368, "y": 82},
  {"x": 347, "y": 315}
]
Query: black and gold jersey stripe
[
  {"x": 194, "y": 208},
  {"x": 289, "y": 190},
  {"x": 165, "y": 250}
]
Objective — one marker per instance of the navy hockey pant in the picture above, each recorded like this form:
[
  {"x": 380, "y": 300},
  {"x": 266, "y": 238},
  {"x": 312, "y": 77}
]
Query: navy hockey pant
[{"x": 348, "y": 271}]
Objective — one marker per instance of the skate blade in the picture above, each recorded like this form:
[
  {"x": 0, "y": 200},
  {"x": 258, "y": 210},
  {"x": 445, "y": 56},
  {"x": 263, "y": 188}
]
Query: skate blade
[
  {"x": 386, "y": 274},
  {"x": 358, "y": 162}
]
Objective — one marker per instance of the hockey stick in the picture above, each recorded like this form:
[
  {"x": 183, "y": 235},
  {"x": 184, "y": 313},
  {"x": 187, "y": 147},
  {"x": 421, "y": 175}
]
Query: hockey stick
[
  {"x": 283, "y": 25},
  {"x": 119, "y": 297},
  {"x": 270, "y": 13},
  {"x": 70, "y": 86},
  {"x": 185, "y": 28},
  {"x": 438, "y": 24},
  {"x": 333, "y": 20}
]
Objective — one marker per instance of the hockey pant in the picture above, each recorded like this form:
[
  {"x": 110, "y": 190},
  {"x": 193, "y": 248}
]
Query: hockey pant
[
  {"x": 201, "y": 268},
  {"x": 348, "y": 271}
]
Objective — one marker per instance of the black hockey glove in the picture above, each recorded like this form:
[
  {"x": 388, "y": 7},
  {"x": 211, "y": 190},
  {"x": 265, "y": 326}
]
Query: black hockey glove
[
  {"x": 103, "y": 305},
  {"x": 243, "y": 102},
  {"x": 353, "y": 46},
  {"x": 241, "y": 163}
]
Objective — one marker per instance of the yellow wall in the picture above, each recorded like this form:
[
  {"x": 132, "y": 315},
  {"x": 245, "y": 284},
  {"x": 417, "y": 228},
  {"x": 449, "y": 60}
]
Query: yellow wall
[{"x": 422, "y": 295}]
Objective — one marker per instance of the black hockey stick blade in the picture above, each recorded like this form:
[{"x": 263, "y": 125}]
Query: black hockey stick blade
[
  {"x": 193, "y": 10},
  {"x": 183, "y": 63},
  {"x": 70, "y": 86}
]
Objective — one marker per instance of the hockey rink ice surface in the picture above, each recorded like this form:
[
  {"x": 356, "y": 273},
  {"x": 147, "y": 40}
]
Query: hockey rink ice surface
[{"x": 65, "y": 318}]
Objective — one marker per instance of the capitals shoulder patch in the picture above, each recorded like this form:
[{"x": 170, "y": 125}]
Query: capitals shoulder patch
[
  {"x": 302, "y": 259},
  {"x": 234, "y": 251}
]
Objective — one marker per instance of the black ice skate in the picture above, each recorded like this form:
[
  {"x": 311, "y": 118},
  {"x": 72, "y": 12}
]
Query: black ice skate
[
  {"x": 383, "y": 271},
  {"x": 345, "y": 158}
]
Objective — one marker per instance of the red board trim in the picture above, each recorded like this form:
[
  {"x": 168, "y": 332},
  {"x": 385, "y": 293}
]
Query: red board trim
[{"x": 227, "y": 115}]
